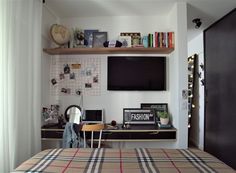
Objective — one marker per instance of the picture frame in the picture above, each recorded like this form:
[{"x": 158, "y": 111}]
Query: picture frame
[
  {"x": 88, "y": 37},
  {"x": 99, "y": 38},
  {"x": 157, "y": 107},
  {"x": 135, "y": 37},
  {"x": 125, "y": 40},
  {"x": 78, "y": 35},
  {"x": 138, "y": 116}
]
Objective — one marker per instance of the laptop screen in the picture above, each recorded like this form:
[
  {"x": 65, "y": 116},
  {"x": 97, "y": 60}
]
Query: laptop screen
[{"x": 93, "y": 116}]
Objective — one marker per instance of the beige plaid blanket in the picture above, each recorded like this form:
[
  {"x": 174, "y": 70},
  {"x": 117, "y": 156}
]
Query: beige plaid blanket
[{"x": 110, "y": 160}]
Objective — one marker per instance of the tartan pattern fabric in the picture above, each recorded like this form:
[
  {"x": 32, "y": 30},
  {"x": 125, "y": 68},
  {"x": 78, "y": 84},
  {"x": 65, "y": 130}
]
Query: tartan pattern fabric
[{"x": 110, "y": 160}]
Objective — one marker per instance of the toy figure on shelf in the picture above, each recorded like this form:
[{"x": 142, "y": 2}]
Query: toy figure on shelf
[{"x": 78, "y": 38}]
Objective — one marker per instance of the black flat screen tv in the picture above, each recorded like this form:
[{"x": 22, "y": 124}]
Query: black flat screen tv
[{"x": 140, "y": 73}]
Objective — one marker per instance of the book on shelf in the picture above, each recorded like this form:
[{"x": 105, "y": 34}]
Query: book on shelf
[
  {"x": 150, "y": 40},
  {"x": 161, "y": 40}
]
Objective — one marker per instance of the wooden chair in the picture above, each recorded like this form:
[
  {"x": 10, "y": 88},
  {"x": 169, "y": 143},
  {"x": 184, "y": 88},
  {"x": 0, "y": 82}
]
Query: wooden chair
[{"x": 91, "y": 128}]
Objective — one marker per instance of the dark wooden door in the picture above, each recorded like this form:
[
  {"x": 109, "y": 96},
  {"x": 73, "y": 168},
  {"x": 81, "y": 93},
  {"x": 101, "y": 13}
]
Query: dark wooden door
[{"x": 220, "y": 76}]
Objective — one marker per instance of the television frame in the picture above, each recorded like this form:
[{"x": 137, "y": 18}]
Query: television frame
[{"x": 142, "y": 88}]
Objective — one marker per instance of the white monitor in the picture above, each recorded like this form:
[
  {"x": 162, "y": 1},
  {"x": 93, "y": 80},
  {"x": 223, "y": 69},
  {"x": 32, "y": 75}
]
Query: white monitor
[{"x": 92, "y": 116}]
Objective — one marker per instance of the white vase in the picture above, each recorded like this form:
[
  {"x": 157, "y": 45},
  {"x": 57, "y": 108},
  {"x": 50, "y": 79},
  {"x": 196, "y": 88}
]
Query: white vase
[{"x": 164, "y": 121}]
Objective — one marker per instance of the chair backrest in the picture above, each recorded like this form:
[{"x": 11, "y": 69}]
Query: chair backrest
[{"x": 91, "y": 128}]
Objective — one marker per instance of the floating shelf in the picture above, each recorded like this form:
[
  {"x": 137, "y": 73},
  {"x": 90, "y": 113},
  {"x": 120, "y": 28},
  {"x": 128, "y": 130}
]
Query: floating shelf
[{"x": 105, "y": 50}]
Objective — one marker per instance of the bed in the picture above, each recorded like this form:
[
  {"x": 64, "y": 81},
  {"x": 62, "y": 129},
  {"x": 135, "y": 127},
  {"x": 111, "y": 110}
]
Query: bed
[{"x": 111, "y": 160}]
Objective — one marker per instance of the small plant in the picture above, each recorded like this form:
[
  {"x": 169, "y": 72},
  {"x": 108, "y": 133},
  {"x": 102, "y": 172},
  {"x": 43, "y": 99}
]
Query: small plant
[
  {"x": 164, "y": 117},
  {"x": 163, "y": 114}
]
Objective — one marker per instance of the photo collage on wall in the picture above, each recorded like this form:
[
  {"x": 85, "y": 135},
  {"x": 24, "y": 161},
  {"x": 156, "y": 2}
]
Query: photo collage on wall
[{"x": 75, "y": 76}]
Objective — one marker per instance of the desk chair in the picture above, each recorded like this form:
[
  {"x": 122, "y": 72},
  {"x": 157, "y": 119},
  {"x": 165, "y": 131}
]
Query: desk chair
[{"x": 91, "y": 128}]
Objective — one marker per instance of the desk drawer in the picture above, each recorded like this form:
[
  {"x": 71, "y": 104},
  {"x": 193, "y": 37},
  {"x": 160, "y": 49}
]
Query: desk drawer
[
  {"x": 139, "y": 135},
  {"x": 52, "y": 134}
]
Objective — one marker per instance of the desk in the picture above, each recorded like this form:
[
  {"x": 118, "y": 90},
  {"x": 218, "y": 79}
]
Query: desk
[{"x": 134, "y": 133}]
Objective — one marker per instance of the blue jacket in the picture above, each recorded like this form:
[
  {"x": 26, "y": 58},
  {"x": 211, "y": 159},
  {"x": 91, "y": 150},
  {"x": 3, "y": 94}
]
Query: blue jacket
[{"x": 70, "y": 138}]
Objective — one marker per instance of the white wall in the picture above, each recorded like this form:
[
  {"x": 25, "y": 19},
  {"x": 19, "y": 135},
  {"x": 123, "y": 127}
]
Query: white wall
[
  {"x": 195, "y": 46},
  {"x": 114, "y": 101},
  {"x": 48, "y": 18},
  {"x": 178, "y": 73},
  {"x": 116, "y": 24}
]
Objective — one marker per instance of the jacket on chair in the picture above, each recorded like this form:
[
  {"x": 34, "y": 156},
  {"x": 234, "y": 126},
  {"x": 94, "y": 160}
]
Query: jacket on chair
[{"x": 71, "y": 139}]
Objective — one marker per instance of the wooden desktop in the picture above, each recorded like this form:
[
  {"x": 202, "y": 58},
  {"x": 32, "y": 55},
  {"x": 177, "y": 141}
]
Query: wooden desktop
[{"x": 119, "y": 134}]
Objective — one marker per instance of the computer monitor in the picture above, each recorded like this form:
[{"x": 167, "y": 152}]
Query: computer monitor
[{"x": 92, "y": 116}]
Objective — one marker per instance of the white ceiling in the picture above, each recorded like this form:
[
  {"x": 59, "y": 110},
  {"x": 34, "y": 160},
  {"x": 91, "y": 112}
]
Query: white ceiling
[{"x": 207, "y": 10}]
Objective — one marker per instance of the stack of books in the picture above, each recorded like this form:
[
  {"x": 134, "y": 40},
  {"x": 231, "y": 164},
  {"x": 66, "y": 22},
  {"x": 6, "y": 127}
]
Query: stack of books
[
  {"x": 161, "y": 40},
  {"x": 164, "y": 126}
]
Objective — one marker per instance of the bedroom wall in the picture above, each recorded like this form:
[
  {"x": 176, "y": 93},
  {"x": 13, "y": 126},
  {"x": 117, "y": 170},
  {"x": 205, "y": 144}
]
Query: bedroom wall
[
  {"x": 195, "y": 46},
  {"x": 178, "y": 73},
  {"x": 113, "y": 102},
  {"x": 48, "y": 18}
]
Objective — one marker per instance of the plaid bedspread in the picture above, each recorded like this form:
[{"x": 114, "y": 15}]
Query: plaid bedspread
[{"x": 139, "y": 160}]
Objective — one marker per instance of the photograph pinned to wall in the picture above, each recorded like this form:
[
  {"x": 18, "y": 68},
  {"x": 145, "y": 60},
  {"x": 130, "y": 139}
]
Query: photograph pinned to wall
[
  {"x": 63, "y": 90},
  {"x": 88, "y": 37},
  {"x": 78, "y": 92},
  {"x": 66, "y": 69},
  {"x": 82, "y": 72},
  {"x": 61, "y": 76},
  {"x": 93, "y": 67},
  {"x": 54, "y": 81},
  {"x": 99, "y": 38},
  {"x": 88, "y": 85},
  {"x": 72, "y": 75},
  {"x": 88, "y": 72},
  {"x": 125, "y": 40},
  {"x": 75, "y": 66},
  {"x": 95, "y": 79},
  {"x": 68, "y": 91}
]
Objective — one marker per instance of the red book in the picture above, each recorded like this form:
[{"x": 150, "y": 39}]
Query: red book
[
  {"x": 156, "y": 39},
  {"x": 171, "y": 39}
]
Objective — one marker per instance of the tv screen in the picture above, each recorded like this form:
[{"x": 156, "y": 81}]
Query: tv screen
[{"x": 136, "y": 73}]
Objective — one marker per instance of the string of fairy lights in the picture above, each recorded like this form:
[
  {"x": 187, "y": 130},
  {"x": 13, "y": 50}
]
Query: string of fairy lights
[{"x": 191, "y": 62}]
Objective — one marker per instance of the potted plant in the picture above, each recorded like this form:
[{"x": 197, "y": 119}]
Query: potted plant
[{"x": 164, "y": 117}]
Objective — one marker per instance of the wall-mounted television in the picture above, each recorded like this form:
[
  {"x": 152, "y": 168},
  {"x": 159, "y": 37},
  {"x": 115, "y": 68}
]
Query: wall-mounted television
[{"x": 145, "y": 73}]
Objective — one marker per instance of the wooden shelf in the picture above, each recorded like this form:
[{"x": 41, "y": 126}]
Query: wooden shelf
[{"x": 105, "y": 50}]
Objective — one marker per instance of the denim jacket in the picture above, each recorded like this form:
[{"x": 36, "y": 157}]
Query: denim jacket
[{"x": 70, "y": 138}]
